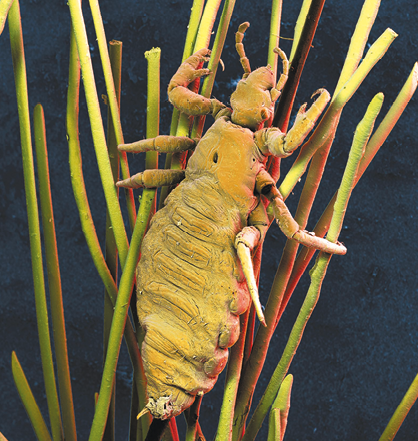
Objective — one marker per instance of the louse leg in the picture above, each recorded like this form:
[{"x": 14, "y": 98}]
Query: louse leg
[
  {"x": 153, "y": 179},
  {"x": 245, "y": 242},
  {"x": 279, "y": 144},
  {"x": 161, "y": 144},
  {"x": 305, "y": 121},
  {"x": 266, "y": 186},
  {"x": 183, "y": 98},
  {"x": 292, "y": 230}
]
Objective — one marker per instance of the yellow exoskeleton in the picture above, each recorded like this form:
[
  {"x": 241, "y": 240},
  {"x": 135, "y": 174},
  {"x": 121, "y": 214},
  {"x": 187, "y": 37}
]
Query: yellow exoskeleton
[{"x": 195, "y": 276}]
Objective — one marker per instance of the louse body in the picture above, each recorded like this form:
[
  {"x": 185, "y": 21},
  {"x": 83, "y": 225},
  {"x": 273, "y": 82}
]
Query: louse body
[
  {"x": 195, "y": 276},
  {"x": 191, "y": 288}
]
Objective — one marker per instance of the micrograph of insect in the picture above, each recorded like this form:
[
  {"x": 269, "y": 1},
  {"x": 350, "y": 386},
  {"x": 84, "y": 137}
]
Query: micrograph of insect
[{"x": 195, "y": 276}]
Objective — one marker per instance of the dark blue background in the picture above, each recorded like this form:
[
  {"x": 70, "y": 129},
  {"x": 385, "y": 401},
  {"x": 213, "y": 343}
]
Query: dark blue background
[{"x": 359, "y": 352}]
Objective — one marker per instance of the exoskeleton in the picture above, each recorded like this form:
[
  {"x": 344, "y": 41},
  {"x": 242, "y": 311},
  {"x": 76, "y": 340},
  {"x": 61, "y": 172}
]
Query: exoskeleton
[{"x": 195, "y": 276}]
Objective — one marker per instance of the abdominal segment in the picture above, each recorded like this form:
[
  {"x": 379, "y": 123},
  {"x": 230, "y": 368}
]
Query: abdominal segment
[{"x": 190, "y": 291}]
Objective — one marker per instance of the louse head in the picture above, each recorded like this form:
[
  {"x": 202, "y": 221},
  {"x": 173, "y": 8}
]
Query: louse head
[{"x": 251, "y": 102}]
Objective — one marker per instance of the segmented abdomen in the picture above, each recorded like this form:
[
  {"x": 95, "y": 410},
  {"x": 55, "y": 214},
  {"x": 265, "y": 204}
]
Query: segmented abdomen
[{"x": 190, "y": 293}]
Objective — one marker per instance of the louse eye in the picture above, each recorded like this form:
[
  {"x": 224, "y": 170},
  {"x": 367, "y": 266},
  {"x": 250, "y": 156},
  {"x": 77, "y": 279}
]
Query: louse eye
[{"x": 215, "y": 157}]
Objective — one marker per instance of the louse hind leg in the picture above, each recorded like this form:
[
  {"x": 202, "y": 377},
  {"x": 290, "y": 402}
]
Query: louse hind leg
[
  {"x": 185, "y": 99},
  {"x": 161, "y": 144},
  {"x": 266, "y": 186},
  {"x": 245, "y": 242}
]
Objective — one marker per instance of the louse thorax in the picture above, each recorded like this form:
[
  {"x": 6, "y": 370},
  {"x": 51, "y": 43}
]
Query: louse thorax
[
  {"x": 229, "y": 155},
  {"x": 251, "y": 102}
]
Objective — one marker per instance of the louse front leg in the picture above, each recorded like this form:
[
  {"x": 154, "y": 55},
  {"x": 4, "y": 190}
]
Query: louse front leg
[
  {"x": 275, "y": 142},
  {"x": 266, "y": 186},
  {"x": 183, "y": 98}
]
